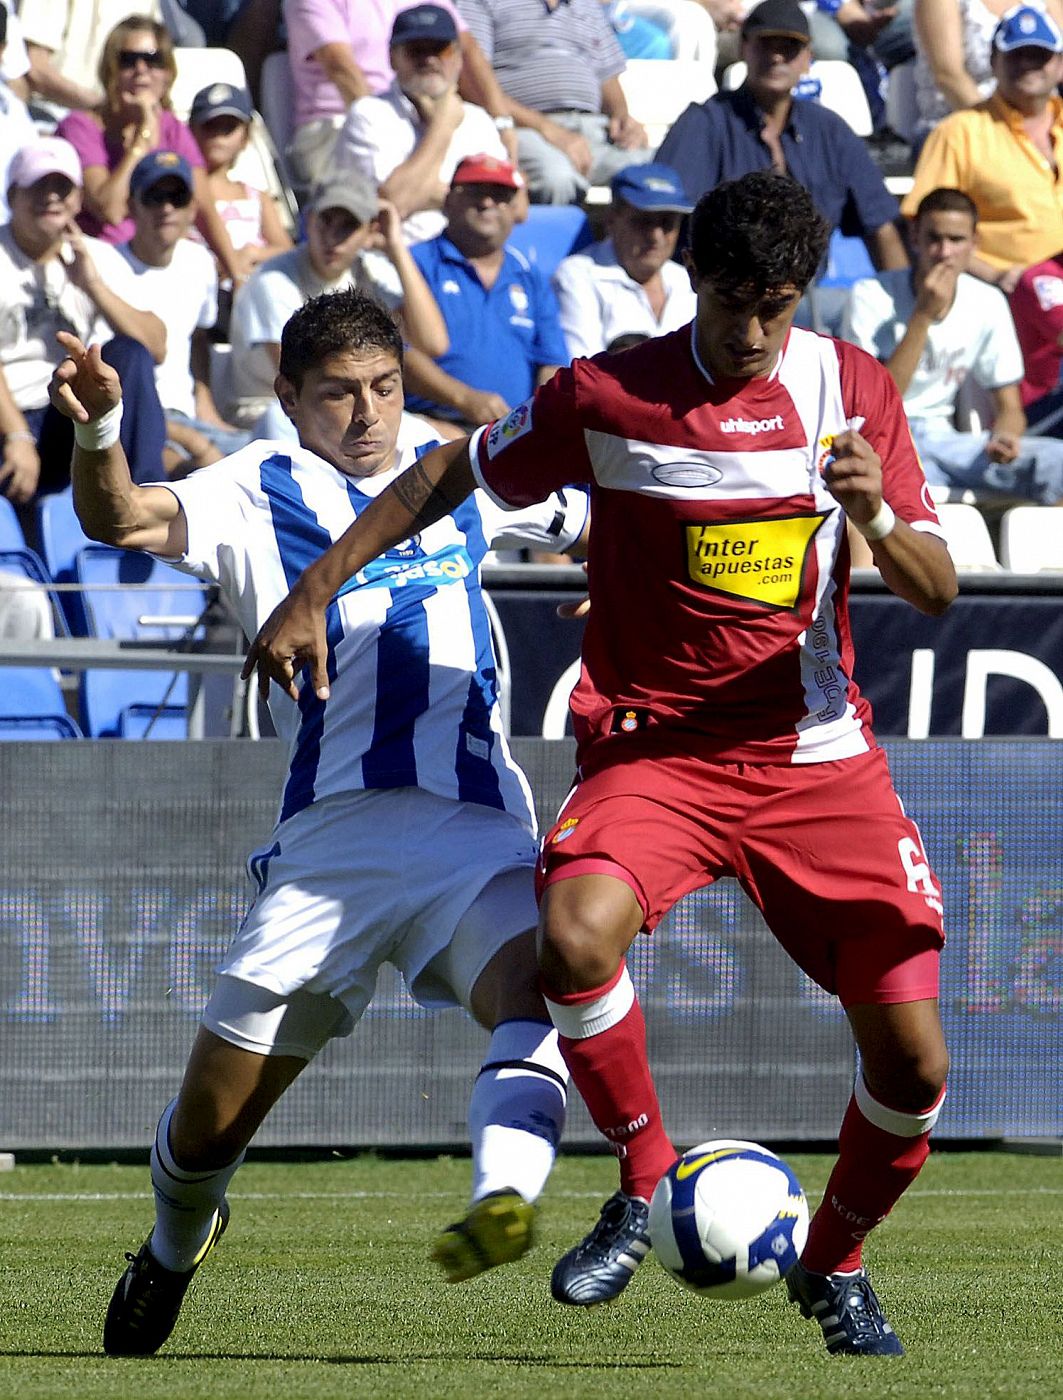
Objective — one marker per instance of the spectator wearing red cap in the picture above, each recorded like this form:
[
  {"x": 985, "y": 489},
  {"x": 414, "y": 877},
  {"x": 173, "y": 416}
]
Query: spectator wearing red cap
[
  {"x": 628, "y": 284},
  {"x": 412, "y": 137},
  {"x": 51, "y": 276},
  {"x": 500, "y": 311}
]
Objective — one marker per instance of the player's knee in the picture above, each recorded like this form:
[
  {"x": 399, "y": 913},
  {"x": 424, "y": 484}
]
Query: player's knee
[
  {"x": 203, "y": 1138},
  {"x": 914, "y": 1078},
  {"x": 582, "y": 941}
]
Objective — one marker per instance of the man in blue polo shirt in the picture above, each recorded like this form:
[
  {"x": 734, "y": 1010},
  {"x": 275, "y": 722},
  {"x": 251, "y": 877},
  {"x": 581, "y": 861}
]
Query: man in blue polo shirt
[
  {"x": 761, "y": 126},
  {"x": 501, "y": 313}
]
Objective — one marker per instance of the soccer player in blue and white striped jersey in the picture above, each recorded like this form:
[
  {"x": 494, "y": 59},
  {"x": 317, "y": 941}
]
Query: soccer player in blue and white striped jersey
[{"x": 406, "y": 831}]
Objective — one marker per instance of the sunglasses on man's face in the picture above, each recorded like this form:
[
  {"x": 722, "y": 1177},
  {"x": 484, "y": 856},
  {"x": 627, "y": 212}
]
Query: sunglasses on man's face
[
  {"x": 129, "y": 58},
  {"x": 179, "y": 196}
]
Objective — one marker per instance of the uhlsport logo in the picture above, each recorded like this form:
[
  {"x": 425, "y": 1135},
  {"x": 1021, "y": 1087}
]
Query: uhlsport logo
[{"x": 752, "y": 426}]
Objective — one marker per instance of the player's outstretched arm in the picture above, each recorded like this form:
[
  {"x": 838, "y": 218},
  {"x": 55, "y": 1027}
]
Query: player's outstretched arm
[
  {"x": 914, "y": 565},
  {"x": 293, "y": 635},
  {"x": 110, "y": 507}
]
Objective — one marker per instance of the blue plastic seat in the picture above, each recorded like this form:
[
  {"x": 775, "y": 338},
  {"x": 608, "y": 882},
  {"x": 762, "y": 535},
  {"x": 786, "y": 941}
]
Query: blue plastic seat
[
  {"x": 32, "y": 705},
  {"x": 62, "y": 539},
  {"x": 124, "y": 614},
  {"x": 550, "y": 233},
  {"x": 153, "y": 722},
  {"x": 847, "y": 261},
  {"x": 11, "y": 536}
]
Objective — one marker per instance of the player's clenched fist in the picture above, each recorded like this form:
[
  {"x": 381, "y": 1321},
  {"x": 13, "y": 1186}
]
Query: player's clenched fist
[{"x": 853, "y": 476}]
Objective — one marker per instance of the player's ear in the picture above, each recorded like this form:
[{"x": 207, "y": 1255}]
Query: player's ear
[
  {"x": 287, "y": 394},
  {"x": 692, "y": 273}
]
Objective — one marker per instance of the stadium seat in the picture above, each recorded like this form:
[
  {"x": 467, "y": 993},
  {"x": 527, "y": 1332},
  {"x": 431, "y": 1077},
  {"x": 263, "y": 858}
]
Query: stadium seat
[
  {"x": 199, "y": 67},
  {"x": 847, "y": 261},
  {"x": 153, "y": 722},
  {"x": 687, "y": 24},
  {"x": 840, "y": 89},
  {"x": 11, "y": 536},
  {"x": 32, "y": 705},
  {"x": 29, "y": 567},
  {"x": 550, "y": 233},
  {"x": 62, "y": 538},
  {"x": 129, "y": 614},
  {"x": 967, "y": 536},
  {"x": 277, "y": 97},
  {"x": 901, "y": 111},
  {"x": 1030, "y": 540},
  {"x": 657, "y": 93}
]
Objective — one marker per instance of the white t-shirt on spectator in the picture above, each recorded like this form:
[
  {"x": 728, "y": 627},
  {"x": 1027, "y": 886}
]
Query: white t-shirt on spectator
[
  {"x": 184, "y": 296},
  {"x": 599, "y": 301},
  {"x": 38, "y": 300},
  {"x": 976, "y": 336},
  {"x": 271, "y": 294},
  {"x": 16, "y": 62},
  {"x": 382, "y": 132}
]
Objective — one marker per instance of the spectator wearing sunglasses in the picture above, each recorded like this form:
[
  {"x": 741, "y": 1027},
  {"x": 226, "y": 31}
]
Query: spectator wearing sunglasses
[
  {"x": 137, "y": 71},
  {"x": 178, "y": 280},
  {"x": 55, "y": 279},
  {"x": 64, "y": 40}
]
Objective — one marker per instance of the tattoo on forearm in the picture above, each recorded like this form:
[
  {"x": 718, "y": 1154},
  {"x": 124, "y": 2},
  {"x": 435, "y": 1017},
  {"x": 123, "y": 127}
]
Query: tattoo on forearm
[{"x": 426, "y": 501}]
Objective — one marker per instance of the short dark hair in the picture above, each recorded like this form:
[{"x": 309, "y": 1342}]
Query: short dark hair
[
  {"x": 332, "y": 323},
  {"x": 945, "y": 200},
  {"x": 761, "y": 231}
]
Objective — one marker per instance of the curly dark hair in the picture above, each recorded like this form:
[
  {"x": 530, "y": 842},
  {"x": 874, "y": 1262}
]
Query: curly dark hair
[
  {"x": 761, "y": 232},
  {"x": 334, "y": 322}
]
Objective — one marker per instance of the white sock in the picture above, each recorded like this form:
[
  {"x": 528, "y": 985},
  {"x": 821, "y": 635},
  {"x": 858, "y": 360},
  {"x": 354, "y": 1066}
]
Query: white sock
[
  {"x": 185, "y": 1202},
  {"x": 517, "y": 1110}
]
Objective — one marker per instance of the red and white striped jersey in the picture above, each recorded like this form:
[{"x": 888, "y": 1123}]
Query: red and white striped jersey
[{"x": 718, "y": 564}]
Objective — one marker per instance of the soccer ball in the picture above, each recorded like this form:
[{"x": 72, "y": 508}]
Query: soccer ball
[{"x": 728, "y": 1219}]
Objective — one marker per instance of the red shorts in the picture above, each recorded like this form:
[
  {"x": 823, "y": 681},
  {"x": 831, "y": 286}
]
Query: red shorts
[{"x": 824, "y": 850}]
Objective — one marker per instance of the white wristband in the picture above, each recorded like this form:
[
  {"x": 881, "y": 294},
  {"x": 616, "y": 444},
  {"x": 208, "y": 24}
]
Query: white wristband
[
  {"x": 102, "y": 432},
  {"x": 880, "y": 525}
]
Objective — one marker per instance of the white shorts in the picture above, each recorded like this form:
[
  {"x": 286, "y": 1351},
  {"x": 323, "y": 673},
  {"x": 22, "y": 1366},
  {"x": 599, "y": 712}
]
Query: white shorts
[{"x": 434, "y": 886}]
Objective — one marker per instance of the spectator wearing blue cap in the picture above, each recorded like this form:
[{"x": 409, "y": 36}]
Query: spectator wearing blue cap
[
  {"x": 1006, "y": 153},
  {"x": 761, "y": 126},
  {"x": 628, "y": 284},
  {"x": 220, "y": 119},
  {"x": 411, "y": 138},
  {"x": 177, "y": 279}
]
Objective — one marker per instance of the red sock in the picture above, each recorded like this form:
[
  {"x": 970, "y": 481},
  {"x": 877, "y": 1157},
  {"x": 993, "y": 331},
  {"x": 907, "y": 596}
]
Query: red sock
[
  {"x": 880, "y": 1153},
  {"x": 602, "y": 1036}
]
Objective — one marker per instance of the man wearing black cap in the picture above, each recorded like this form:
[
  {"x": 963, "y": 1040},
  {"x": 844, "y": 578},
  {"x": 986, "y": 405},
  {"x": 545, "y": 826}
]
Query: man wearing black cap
[
  {"x": 628, "y": 283},
  {"x": 760, "y": 126},
  {"x": 412, "y": 137}
]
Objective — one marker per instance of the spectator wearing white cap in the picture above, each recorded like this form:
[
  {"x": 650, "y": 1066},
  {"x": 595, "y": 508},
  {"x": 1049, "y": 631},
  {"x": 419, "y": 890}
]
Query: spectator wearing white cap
[
  {"x": 628, "y": 284},
  {"x": 52, "y": 281},
  {"x": 411, "y": 138},
  {"x": 344, "y": 219},
  {"x": 500, "y": 311},
  {"x": 1006, "y": 153}
]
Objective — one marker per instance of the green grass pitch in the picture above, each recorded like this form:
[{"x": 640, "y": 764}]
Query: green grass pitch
[{"x": 322, "y": 1288}]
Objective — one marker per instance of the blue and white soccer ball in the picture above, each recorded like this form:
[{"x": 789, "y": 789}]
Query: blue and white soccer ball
[{"x": 728, "y": 1219}]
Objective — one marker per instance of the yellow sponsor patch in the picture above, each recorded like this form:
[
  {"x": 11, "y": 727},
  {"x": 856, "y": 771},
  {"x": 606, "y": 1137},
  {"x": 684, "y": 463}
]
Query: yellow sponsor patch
[{"x": 761, "y": 560}]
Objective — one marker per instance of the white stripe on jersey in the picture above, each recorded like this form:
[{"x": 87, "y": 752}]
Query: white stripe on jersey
[{"x": 412, "y": 671}]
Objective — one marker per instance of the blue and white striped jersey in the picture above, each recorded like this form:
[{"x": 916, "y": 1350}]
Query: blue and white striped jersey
[{"x": 411, "y": 667}]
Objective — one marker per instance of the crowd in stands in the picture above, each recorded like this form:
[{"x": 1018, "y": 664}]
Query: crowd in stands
[{"x": 475, "y": 164}]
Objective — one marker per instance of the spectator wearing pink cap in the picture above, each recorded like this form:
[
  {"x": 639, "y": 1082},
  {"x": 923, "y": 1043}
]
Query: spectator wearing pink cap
[
  {"x": 51, "y": 282},
  {"x": 500, "y": 311},
  {"x": 411, "y": 138}
]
